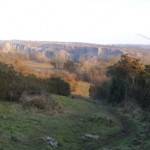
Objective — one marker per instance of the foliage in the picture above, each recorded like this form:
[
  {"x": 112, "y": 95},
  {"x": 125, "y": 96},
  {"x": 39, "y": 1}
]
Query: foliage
[
  {"x": 68, "y": 77},
  {"x": 58, "y": 86},
  {"x": 82, "y": 89},
  {"x": 12, "y": 84},
  {"x": 100, "y": 91},
  {"x": 70, "y": 66},
  {"x": 39, "y": 99},
  {"x": 94, "y": 70},
  {"x": 127, "y": 67},
  {"x": 130, "y": 80}
]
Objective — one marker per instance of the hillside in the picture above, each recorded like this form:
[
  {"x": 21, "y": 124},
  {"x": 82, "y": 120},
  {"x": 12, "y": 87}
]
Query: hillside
[
  {"x": 73, "y": 50},
  {"x": 24, "y": 128},
  {"x": 112, "y": 118},
  {"x": 46, "y": 59}
]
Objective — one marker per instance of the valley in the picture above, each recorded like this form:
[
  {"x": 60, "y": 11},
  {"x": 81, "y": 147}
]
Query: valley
[{"x": 74, "y": 94}]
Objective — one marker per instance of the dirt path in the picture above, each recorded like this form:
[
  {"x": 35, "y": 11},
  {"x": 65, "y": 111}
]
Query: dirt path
[{"x": 125, "y": 132}]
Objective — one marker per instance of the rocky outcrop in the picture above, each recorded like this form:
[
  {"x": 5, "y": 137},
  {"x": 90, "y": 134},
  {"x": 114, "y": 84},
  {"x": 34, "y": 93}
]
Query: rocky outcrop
[
  {"x": 15, "y": 47},
  {"x": 73, "y": 51},
  {"x": 7, "y": 47},
  {"x": 108, "y": 52}
]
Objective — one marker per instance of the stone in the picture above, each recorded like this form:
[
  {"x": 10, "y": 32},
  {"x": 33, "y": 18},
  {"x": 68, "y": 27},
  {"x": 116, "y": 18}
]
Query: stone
[
  {"x": 92, "y": 136},
  {"x": 51, "y": 141}
]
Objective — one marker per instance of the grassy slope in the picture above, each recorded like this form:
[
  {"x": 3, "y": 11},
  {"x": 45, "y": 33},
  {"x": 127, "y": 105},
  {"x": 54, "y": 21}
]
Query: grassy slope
[
  {"x": 35, "y": 65},
  {"x": 42, "y": 70},
  {"x": 23, "y": 129}
]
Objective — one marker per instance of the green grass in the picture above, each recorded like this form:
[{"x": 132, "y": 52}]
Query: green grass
[{"x": 23, "y": 129}]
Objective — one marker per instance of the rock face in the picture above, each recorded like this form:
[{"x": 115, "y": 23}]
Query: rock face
[
  {"x": 74, "y": 51},
  {"x": 7, "y": 47},
  {"x": 15, "y": 47},
  {"x": 49, "y": 140},
  {"x": 107, "y": 52}
]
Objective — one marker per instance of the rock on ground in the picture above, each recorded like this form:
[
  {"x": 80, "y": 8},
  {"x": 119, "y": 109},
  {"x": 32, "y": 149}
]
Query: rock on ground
[{"x": 49, "y": 140}]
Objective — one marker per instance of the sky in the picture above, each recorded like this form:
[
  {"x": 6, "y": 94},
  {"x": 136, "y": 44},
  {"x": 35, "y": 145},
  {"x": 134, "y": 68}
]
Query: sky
[{"x": 89, "y": 21}]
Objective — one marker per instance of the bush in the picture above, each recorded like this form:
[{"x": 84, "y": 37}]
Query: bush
[
  {"x": 58, "y": 86},
  {"x": 12, "y": 84},
  {"x": 70, "y": 66},
  {"x": 68, "y": 77},
  {"x": 100, "y": 91},
  {"x": 130, "y": 80},
  {"x": 41, "y": 100}
]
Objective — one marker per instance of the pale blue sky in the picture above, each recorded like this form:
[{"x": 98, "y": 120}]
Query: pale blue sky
[{"x": 93, "y": 21}]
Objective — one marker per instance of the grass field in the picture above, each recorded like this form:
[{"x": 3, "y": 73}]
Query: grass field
[
  {"x": 36, "y": 65},
  {"x": 23, "y": 128},
  {"x": 42, "y": 70}
]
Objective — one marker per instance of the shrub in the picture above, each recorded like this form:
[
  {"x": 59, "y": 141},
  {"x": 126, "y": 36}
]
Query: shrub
[
  {"x": 68, "y": 77},
  {"x": 41, "y": 100},
  {"x": 58, "y": 86},
  {"x": 130, "y": 80},
  {"x": 100, "y": 91},
  {"x": 70, "y": 66},
  {"x": 12, "y": 84}
]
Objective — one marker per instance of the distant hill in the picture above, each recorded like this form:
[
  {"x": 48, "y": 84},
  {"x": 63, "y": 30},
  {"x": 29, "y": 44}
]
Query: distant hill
[{"x": 73, "y": 50}]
